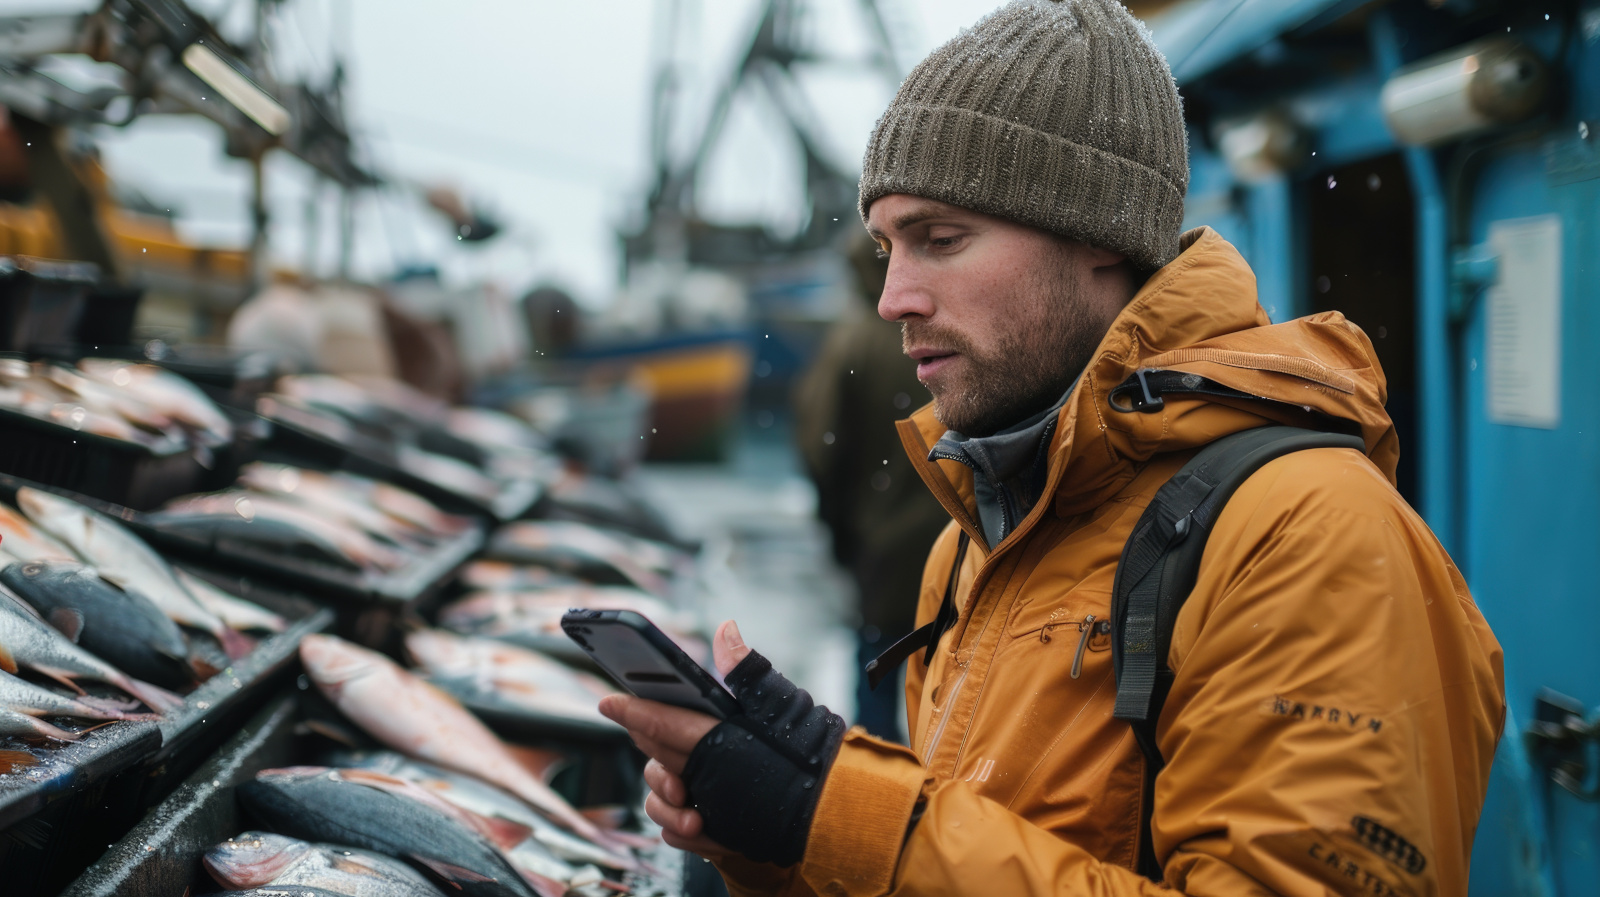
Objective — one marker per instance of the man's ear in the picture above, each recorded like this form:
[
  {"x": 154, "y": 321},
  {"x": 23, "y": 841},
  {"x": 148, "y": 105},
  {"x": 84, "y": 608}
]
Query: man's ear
[{"x": 1098, "y": 258}]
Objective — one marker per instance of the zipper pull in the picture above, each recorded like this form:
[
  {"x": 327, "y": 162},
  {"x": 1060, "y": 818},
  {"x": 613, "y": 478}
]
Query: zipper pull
[{"x": 1083, "y": 644}]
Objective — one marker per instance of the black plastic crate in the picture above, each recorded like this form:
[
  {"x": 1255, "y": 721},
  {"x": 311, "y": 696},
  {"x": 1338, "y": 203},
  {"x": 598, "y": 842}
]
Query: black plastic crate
[
  {"x": 135, "y": 476},
  {"x": 109, "y": 310},
  {"x": 42, "y": 302}
]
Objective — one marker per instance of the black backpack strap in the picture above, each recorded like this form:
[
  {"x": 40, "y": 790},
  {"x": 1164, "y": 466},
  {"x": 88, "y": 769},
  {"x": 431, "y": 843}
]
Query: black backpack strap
[
  {"x": 924, "y": 636},
  {"x": 1158, "y": 569}
]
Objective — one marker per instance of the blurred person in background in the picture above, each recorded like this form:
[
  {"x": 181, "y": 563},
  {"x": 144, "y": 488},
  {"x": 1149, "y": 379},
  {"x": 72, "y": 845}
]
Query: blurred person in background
[
  {"x": 1332, "y": 695},
  {"x": 882, "y": 518}
]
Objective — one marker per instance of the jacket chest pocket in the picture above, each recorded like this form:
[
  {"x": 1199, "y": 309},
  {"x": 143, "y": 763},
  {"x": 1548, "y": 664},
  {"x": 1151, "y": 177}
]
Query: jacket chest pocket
[{"x": 1077, "y": 623}]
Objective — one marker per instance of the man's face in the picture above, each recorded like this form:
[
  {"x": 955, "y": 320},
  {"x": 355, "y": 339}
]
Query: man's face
[{"x": 1000, "y": 317}]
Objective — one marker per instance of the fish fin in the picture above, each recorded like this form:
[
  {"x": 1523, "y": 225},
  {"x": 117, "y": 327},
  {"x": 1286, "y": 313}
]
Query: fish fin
[
  {"x": 202, "y": 667},
  {"x": 503, "y": 833},
  {"x": 11, "y": 761},
  {"x": 234, "y": 642},
  {"x": 605, "y": 815},
  {"x": 68, "y": 621},
  {"x": 543, "y": 885},
  {"x": 542, "y": 764},
  {"x": 450, "y": 873},
  {"x": 7, "y": 662},
  {"x": 333, "y": 732},
  {"x": 54, "y": 676},
  {"x": 632, "y": 839}
]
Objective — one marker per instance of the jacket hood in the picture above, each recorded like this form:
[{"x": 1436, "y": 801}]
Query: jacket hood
[{"x": 1198, "y": 315}]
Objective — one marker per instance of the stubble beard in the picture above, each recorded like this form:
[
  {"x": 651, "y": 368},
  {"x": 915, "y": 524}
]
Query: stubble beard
[{"x": 1041, "y": 350}]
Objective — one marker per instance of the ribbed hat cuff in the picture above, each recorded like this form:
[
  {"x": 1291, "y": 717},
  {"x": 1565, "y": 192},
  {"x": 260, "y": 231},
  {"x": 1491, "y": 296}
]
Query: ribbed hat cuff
[{"x": 981, "y": 162}]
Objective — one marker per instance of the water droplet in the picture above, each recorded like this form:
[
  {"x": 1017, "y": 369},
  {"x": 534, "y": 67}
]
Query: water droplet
[{"x": 1332, "y": 182}]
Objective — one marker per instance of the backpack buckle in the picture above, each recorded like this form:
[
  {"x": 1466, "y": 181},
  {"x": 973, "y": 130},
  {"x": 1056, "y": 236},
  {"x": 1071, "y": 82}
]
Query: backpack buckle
[{"x": 1135, "y": 394}]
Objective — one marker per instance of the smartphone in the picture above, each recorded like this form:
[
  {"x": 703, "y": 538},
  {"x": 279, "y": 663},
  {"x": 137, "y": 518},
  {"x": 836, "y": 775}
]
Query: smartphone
[{"x": 646, "y": 661}]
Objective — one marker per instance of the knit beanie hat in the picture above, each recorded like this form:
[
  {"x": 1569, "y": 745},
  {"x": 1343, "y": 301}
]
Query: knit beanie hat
[{"x": 1059, "y": 114}]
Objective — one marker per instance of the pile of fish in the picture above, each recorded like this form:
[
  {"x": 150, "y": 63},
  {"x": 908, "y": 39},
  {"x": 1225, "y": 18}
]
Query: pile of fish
[
  {"x": 470, "y": 452},
  {"x": 137, "y": 403},
  {"x": 340, "y": 518},
  {"x": 457, "y": 807},
  {"x": 83, "y": 599}
]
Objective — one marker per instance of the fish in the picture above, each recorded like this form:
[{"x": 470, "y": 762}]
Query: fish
[
  {"x": 325, "y": 493},
  {"x": 27, "y": 641},
  {"x": 20, "y": 539},
  {"x": 446, "y": 472},
  {"x": 165, "y": 392},
  {"x": 120, "y": 626},
  {"x": 272, "y": 535},
  {"x": 587, "y": 551},
  {"x": 21, "y": 725},
  {"x": 277, "y": 891},
  {"x": 235, "y": 611},
  {"x": 508, "y": 674},
  {"x": 531, "y": 618},
  {"x": 509, "y": 577},
  {"x": 34, "y": 700},
  {"x": 486, "y": 800},
  {"x": 353, "y": 543},
  {"x": 321, "y": 804},
  {"x": 256, "y": 859},
  {"x": 415, "y": 717},
  {"x": 124, "y": 559}
]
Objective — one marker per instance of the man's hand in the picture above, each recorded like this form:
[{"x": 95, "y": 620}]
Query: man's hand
[{"x": 667, "y": 735}]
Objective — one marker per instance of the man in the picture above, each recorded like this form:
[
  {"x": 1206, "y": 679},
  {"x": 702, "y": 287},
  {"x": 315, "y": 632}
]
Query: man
[
  {"x": 1337, "y": 695},
  {"x": 882, "y": 518}
]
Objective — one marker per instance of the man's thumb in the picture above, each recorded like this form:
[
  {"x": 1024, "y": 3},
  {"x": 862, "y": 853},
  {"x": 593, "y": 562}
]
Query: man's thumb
[{"x": 728, "y": 648}]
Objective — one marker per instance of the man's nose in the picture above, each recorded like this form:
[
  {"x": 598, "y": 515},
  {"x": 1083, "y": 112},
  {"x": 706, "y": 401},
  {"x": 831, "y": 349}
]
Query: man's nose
[{"x": 904, "y": 296}]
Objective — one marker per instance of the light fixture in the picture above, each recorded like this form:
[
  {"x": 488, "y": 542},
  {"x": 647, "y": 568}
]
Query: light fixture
[
  {"x": 243, "y": 93},
  {"x": 1497, "y": 81}
]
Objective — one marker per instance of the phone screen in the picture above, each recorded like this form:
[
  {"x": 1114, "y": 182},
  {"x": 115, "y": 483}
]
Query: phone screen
[{"x": 645, "y": 661}]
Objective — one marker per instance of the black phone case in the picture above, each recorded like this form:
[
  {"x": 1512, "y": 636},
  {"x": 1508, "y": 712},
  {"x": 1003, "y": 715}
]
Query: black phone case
[{"x": 638, "y": 655}]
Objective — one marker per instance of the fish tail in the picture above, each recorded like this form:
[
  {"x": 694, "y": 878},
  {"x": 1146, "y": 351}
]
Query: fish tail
[
  {"x": 236, "y": 644},
  {"x": 154, "y": 696}
]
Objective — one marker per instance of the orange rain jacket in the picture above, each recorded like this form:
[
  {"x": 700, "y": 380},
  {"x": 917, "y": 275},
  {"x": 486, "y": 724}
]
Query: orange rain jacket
[{"x": 1338, "y": 695}]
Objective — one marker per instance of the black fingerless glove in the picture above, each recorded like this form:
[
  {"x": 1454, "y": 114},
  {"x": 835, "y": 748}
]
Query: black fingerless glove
[{"x": 756, "y": 777}]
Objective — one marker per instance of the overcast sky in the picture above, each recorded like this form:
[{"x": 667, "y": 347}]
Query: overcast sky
[{"x": 537, "y": 110}]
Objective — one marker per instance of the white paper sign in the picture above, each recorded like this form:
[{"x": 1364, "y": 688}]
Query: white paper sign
[{"x": 1525, "y": 322}]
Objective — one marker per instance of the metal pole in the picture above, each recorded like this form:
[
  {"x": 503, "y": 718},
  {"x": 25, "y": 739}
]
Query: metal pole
[
  {"x": 258, "y": 212},
  {"x": 1438, "y": 476},
  {"x": 313, "y": 226},
  {"x": 347, "y": 230}
]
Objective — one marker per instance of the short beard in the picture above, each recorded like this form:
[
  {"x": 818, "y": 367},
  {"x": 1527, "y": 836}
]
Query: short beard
[{"x": 1044, "y": 349}]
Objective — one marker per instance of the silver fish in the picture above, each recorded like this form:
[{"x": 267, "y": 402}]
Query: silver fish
[
  {"x": 257, "y": 859},
  {"x": 124, "y": 559},
  {"x": 510, "y": 674},
  {"x": 21, "y": 725},
  {"x": 486, "y": 800},
  {"x": 33, "y": 700}
]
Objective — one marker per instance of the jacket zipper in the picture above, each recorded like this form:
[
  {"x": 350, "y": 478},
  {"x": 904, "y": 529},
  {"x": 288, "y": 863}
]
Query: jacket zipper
[
  {"x": 1083, "y": 645},
  {"x": 949, "y": 704}
]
